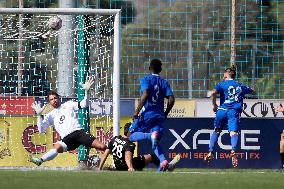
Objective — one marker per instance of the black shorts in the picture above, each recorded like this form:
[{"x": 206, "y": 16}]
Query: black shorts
[
  {"x": 77, "y": 138},
  {"x": 138, "y": 163}
]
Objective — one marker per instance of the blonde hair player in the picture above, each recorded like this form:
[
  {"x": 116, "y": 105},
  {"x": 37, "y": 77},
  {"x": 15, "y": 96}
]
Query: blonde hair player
[{"x": 228, "y": 112}]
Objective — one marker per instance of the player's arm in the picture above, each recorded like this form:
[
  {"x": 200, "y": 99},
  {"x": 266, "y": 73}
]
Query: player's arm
[
  {"x": 103, "y": 158},
  {"x": 170, "y": 104},
  {"x": 279, "y": 108},
  {"x": 128, "y": 160},
  {"x": 86, "y": 86},
  {"x": 248, "y": 90},
  {"x": 214, "y": 99},
  {"x": 141, "y": 103},
  {"x": 253, "y": 92},
  {"x": 42, "y": 124},
  {"x": 144, "y": 86},
  {"x": 171, "y": 99}
]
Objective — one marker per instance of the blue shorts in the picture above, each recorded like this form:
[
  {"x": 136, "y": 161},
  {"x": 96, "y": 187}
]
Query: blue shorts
[
  {"x": 229, "y": 117},
  {"x": 147, "y": 125}
]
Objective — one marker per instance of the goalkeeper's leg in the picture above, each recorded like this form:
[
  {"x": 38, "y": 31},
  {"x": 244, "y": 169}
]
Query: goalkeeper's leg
[{"x": 59, "y": 147}]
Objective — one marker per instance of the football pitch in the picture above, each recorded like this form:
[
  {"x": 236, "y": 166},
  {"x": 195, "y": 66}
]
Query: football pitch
[{"x": 181, "y": 178}]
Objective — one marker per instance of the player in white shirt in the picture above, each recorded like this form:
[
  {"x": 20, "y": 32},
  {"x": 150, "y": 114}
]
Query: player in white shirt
[{"x": 64, "y": 118}]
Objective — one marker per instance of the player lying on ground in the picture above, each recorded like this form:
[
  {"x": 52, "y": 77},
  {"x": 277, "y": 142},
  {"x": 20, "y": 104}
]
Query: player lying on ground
[
  {"x": 281, "y": 109},
  {"x": 228, "y": 112},
  {"x": 65, "y": 121},
  {"x": 122, "y": 150},
  {"x": 149, "y": 116}
]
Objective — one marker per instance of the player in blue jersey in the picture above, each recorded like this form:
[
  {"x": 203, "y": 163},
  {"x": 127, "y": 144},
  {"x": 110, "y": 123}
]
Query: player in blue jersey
[
  {"x": 149, "y": 115},
  {"x": 228, "y": 112},
  {"x": 281, "y": 109},
  {"x": 282, "y": 151}
]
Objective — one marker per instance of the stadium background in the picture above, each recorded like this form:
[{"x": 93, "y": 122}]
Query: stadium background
[
  {"x": 176, "y": 31},
  {"x": 162, "y": 29}
]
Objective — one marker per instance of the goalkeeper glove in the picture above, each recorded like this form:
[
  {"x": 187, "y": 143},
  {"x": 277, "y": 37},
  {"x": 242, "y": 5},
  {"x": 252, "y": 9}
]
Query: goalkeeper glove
[
  {"x": 37, "y": 108},
  {"x": 87, "y": 85}
]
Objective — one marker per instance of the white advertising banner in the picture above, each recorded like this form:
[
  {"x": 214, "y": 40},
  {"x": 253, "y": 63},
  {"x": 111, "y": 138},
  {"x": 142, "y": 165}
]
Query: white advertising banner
[{"x": 252, "y": 108}]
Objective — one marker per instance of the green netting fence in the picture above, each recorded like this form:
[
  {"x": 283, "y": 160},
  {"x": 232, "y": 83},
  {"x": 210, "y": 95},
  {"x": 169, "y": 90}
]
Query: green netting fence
[{"x": 175, "y": 31}]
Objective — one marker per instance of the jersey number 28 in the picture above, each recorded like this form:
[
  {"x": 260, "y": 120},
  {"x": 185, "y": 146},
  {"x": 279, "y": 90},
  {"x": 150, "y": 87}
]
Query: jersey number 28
[{"x": 117, "y": 149}]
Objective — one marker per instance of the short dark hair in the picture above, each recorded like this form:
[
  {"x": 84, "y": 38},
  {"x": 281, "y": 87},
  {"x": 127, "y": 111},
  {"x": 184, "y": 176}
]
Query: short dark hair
[
  {"x": 156, "y": 65},
  {"x": 52, "y": 93},
  {"x": 231, "y": 71},
  {"x": 126, "y": 128}
]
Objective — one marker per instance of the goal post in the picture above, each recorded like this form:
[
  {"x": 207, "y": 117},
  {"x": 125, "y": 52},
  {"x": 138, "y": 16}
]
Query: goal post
[
  {"x": 233, "y": 33},
  {"x": 95, "y": 61},
  {"x": 83, "y": 72}
]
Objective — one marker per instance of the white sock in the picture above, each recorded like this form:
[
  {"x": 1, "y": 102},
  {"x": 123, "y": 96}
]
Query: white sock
[{"x": 51, "y": 154}]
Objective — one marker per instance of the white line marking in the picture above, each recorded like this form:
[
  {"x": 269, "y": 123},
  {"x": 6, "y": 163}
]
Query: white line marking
[{"x": 219, "y": 172}]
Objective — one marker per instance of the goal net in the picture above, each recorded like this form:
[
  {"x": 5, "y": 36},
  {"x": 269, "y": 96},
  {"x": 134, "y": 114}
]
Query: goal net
[{"x": 56, "y": 49}]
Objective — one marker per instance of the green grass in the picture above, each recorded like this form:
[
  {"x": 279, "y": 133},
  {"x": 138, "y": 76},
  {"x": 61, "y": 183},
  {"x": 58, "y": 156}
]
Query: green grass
[{"x": 182, "y": 178}]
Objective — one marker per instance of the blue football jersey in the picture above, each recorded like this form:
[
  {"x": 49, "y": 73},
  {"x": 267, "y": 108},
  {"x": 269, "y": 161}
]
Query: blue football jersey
[
  {"x": 158, "y": 89},
  {"x": 232, "y": 94}
]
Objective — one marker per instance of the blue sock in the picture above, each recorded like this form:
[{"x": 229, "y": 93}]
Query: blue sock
[
  {"x": 213, "y": 140},
  {"x": 159, "y": 153},
  {"x": 137, "y": 136},
  {"x": 234, "y": 142}
]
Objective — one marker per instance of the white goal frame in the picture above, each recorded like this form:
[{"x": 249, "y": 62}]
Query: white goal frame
[{"x": 116, "y": 46}]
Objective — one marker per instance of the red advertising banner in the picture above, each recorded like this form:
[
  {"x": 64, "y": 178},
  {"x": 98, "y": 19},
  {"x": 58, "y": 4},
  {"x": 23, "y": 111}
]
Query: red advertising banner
[{"x": 14, "y": 105}]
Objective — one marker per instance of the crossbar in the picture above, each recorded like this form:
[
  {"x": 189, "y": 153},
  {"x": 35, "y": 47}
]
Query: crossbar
[{"x": 62, "y": 11}]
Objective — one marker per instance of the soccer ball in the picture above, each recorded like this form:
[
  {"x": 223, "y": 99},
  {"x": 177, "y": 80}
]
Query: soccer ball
[{"x": 55, "y": 23}]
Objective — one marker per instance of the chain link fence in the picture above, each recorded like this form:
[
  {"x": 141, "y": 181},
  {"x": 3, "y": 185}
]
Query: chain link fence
[{"x": 191, "y": 37}]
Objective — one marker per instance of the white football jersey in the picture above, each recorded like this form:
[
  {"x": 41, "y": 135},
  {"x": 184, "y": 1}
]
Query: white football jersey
[{"x": 64, "y": 119}]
